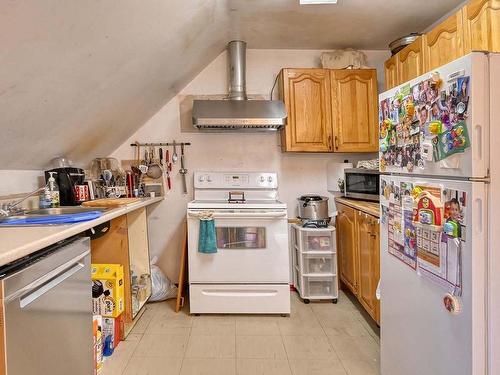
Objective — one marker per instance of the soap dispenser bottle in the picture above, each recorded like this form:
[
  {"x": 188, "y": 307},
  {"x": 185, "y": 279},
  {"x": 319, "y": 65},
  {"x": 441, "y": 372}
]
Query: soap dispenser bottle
[
  {"x": 44, "y": 198},
  {"x": 53, "y": 190}
]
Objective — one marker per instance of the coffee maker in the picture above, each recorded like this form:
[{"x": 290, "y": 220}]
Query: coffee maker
[{"x": 67, "y": 178}]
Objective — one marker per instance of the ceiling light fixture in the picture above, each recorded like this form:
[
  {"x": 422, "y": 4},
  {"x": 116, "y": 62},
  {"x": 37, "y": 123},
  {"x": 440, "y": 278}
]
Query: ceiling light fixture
[{"x": 315, "y": 2}]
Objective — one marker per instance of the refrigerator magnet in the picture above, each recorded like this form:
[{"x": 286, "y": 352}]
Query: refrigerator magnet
[
  {"x": 452, "y": 304},
  {"x": 427, "y": 150}
]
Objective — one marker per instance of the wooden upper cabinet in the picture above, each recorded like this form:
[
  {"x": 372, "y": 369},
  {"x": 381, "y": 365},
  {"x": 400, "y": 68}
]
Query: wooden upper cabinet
[
  {"x": 306, "y": 93},
  {"x": 481, "y": 23},
  {"x": 369, "y": 268},
  {"x": 410, "y": 61},
  {"x": 354, "y": 110},
  {"x": 391, "y": 72},
  {"x": 444, "y": 43},
  {"x": 346, "y": 246}
]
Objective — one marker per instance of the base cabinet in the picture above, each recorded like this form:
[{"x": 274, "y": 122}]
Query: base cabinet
[
  {"x": 126, "y": 243},
  {"x": 368, "y": 263},
  {"x": 359, "y": 256},
  {"x": 346, "y": 239}
]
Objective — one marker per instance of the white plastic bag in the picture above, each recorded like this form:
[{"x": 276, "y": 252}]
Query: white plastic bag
[{"x": 161, "y": 287}]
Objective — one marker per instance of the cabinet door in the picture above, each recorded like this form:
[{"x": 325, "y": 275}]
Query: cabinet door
[
  {"x": 444, "y": 43},
  {"x": 391, "y": 72},
  {"x": 482, "y": 25},
  {"x": 410, "y": 61},
  {"x": 306, "y": 93},
  {"x": 367, "y": 240},
  {"x": 346, "y": 246},
  {"x": 355, "y": 110}
]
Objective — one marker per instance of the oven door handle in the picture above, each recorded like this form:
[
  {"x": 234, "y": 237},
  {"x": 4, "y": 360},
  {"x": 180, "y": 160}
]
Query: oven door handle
[{"x": 243, "y": 215}]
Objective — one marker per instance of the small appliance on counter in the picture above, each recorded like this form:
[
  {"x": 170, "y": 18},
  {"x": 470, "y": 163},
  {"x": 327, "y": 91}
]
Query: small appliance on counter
[
  {"x": 313, "y": 211},
  {"x": 67, "y": 178},
  {"x": 362, "y": 183}
]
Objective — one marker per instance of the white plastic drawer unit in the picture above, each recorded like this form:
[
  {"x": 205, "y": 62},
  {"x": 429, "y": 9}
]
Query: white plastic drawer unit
[
  {"x": 319, "y": 287},
  {"x": 318, "y": 264},
  {"x": 315, "y": 263},
  {"x": 318, "y": 240}
]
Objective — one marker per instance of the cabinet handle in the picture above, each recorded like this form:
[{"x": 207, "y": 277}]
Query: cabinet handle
[
  {"x": 336, "y": 142},
  {"x": 330, "y": 144}
]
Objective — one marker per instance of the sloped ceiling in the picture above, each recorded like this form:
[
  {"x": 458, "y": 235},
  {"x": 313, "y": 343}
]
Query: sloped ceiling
[{"x": 77, "y": 78}]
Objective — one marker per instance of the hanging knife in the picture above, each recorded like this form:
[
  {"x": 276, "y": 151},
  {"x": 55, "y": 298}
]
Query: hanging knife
[
  {"x": 168, "y": 168},
  {"x": 183, "y": 170}
]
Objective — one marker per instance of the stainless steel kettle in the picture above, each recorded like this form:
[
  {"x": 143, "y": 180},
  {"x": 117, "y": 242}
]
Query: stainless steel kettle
[{"x": 313, "y": 207}]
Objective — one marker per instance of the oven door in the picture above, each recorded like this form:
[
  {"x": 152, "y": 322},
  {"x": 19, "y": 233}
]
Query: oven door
[{"x": 252, "y": 247}]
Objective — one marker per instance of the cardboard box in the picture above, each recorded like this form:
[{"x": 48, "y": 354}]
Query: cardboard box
[
  {"x": 108, "y": 290},
  {"x": 97, "y": 330},
  {"x": 113, "y": 326}
]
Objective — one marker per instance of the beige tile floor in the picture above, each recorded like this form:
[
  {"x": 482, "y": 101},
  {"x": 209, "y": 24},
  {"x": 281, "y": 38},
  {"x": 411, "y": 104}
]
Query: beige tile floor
[{"x": 319, "y": 338}]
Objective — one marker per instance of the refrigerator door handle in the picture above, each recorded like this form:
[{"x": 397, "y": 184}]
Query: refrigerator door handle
[
  {"x": 479, "y": 211},
  {"x": 478, "y": 139}
]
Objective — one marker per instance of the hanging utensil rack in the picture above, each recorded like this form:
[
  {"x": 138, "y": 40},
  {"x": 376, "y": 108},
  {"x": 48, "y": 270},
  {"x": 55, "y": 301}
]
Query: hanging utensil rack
[{"x": 160, "y": 144}]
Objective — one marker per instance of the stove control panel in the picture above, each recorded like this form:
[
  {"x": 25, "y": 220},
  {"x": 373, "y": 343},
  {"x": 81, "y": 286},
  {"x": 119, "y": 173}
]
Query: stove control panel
[{"x": 228, "y": 180}]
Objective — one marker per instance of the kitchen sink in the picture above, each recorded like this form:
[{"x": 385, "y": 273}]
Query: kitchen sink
[
  {"x": 52, "y": 216},
  {"x": 65, "y": 210}
]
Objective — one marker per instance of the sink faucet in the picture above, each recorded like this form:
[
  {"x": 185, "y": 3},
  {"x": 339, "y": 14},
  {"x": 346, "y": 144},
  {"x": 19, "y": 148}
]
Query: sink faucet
[{"x": 7, "y": 209}]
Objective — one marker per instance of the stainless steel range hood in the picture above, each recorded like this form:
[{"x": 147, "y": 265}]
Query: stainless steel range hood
[{"x": 237, "y": 112}]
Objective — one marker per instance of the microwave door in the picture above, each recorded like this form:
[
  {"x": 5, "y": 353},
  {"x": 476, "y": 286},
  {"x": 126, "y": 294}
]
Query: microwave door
[{"x": 362, "y": 186}]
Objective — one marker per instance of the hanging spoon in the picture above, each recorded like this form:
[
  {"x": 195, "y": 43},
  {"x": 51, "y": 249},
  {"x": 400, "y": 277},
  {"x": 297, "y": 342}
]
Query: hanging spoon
[{"x": 174, "y": 155}]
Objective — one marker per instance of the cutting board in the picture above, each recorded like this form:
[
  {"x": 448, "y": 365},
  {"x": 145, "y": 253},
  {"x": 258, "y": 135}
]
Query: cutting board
[{"x": 110, "y": 202}]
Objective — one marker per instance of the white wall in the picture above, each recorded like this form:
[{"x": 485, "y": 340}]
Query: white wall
[
  {"x": 20, "y": 181},
  {"x": 298, "y": 173}
]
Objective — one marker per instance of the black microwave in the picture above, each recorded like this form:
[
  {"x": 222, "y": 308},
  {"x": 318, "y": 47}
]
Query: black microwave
[{"x": 360, "y": 183}]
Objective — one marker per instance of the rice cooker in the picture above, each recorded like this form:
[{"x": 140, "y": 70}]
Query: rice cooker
[{"x": 313, "y": 207}]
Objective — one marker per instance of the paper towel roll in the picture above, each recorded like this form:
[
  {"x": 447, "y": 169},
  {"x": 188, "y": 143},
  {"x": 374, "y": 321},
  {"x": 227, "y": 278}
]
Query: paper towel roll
[{"x": 334, "y": 171}]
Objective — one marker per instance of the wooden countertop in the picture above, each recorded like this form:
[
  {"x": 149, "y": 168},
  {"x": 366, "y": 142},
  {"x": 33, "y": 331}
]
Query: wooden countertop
[{"x": 372, "y": 208}]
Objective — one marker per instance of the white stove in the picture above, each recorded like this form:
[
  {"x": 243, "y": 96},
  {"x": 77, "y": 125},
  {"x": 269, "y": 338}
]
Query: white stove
[
  {"x": 249, "y": 204},
  {"x": 250, "y": 271}
]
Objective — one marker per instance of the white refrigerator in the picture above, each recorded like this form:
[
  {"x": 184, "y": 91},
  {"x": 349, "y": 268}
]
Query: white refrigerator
[{"x": 439, "y": 268}]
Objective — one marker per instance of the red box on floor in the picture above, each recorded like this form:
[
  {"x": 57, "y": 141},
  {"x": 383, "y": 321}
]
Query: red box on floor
[{"x": 113, "y": 326}]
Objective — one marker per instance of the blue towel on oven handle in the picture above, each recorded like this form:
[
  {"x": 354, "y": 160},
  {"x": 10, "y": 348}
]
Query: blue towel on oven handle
[{"x": 207, "y": 242}]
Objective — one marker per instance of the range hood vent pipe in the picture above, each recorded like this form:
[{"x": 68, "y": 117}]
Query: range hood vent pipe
[
  {"x": 236, "y": 112},
  {"x": 236, "y": 59}
]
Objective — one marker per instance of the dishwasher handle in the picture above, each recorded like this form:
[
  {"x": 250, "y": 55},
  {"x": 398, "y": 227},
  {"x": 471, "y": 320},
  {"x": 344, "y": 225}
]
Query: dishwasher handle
[
  {"x": 40, "y": 290},
  {"x": 50, "y": 280}
]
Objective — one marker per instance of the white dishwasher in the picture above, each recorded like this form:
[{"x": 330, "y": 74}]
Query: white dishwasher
[{"x": 46, "y": 318}]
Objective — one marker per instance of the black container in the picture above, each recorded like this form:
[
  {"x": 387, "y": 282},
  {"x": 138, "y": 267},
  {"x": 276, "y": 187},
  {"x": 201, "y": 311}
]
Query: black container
[{"x": 67, "y": 178}]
